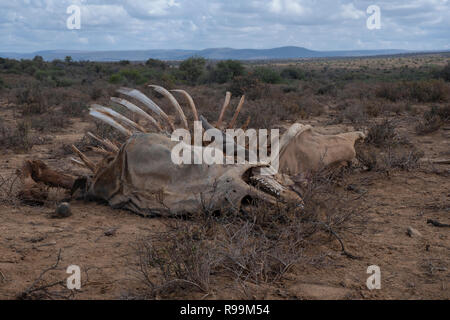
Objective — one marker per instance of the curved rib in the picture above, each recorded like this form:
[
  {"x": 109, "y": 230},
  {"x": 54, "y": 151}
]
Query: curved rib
[
  {"x": 107, "y": 119},
  {"x": 246, "y": 124},
  {"x": 174, "y": 102},
  {"x": 77, "y": 162},
  {"x": 104, "y": 142},
  {"x": 100, "y": 151},
  {"x": 118, "y": 116},
  {"x": 85, "y": 159},
  {"x": 135, "y": 109},
  {"x": 236, "y": 114},
  {"x": 147, "y": 102},
  {"x": 224, "y": 108},
  {"x": 191, "y": 103}
]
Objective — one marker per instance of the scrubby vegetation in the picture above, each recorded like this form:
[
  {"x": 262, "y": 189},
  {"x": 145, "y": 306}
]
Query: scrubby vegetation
[
  {"x": 52, "y": 92},
  {"x": 395, "y": 101}
]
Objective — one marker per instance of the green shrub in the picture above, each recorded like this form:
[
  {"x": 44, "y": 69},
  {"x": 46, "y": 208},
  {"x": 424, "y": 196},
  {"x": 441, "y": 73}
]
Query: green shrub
[
  {"x": 38, "y": 60},
  {"x": 267, "y": 75},
  {"x": 226, "y": 71},
  {"x": 116, "y": 78},
  {"x": 292, "y": 74},
  {"x": 63, "y": 83},
  {"x": 248, "y": 85},
  {"x": 133, "y": 76},
  {"x": 192, "y": 69},
  {"x": 156, "y": 64},
  {"x": 445, "y": 73}
]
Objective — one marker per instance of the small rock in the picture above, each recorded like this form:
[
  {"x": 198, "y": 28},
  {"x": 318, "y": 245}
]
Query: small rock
[
  {"x": 110, "y": 232},
  {"x": 354, "y": 188},
  {"x": 63, "y": 210},
  {"x": 413, "y": 232}
]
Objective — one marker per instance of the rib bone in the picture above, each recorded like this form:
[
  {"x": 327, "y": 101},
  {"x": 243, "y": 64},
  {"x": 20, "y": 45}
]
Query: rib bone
[
  {"x": 135, "y": 109},
  {"x": 105, "y": 142},
  {"x": 136, "y": 94},
  {"x": 191, "y": 103},
  {"x": 79, "y": 163},
  {"x": 224, "y": 108},
  {"x": 247, "y": 122},
  {"x": 107, "y": 119},
  {"x": 118, "y": 116},
  {"x": 85, "y": 159},
  {"x": 174, "y": 102},
  {"x": 236, "y": 114}
]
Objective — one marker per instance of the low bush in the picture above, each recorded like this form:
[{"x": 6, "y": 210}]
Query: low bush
[
  {"x": 258, "y": 245},
  {"x": 419, "y": 91},
  {"x": 292, "y": 73},
  {"x": 225, "y": 71},
  {"x": 382, "y": 134},
  {"x": 74, "y": 108},
  {"x": 355, "y": 114},
  {"x": 31, "y": 101},
  {"x": 445, "y": 73},
  {"x": 192, "y": 69},
  {"x": 399, "y": 158},
  {"x": 50, "y": 122},
  {"x": 248, "y": 85},
  {"x": 18, "y": 138},
  {"x": 433, "y": 120},
  {"x": 267, "y": 75},
  {"x": 157, "y": 64}
]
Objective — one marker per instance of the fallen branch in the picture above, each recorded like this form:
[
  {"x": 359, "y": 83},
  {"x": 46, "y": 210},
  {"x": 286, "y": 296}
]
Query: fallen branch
[
  {"x": 437, "y": 224},
  {"x": 343, "y": 250},
  {"x": 28, "y": 294}
]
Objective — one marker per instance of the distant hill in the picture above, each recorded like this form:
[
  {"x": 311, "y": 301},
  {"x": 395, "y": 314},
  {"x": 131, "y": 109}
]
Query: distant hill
[{"x": 214, "y": 54}]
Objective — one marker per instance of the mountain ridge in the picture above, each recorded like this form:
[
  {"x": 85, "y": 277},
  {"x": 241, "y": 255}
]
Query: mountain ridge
[{"x": 279, "y": 53}]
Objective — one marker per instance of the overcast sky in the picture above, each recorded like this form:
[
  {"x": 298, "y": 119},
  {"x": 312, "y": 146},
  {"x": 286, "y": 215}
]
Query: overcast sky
[{"x": 32, "y": 25}]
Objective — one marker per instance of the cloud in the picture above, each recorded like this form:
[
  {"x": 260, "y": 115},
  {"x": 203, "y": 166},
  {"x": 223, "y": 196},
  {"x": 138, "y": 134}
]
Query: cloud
[
  {"x": 348, "y": 11},
  {"x": 289, "y": 7},
  {"x": 31, "y": 25}
]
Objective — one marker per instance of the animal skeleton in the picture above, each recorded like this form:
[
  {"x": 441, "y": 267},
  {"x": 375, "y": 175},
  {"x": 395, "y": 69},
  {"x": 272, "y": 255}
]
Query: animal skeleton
[{"x": 140, "y": 176}]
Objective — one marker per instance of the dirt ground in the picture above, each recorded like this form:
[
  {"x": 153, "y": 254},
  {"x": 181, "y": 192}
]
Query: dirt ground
[{"x": 101, "y": 240}]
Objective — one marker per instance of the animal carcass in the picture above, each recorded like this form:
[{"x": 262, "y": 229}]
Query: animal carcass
[
  {"x": 140, "y": 176},
  {"x": 143, "y": 179}
]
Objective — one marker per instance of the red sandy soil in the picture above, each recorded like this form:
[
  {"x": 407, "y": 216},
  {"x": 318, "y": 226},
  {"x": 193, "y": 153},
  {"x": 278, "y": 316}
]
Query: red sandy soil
[{"x": 411, "y": 267}]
